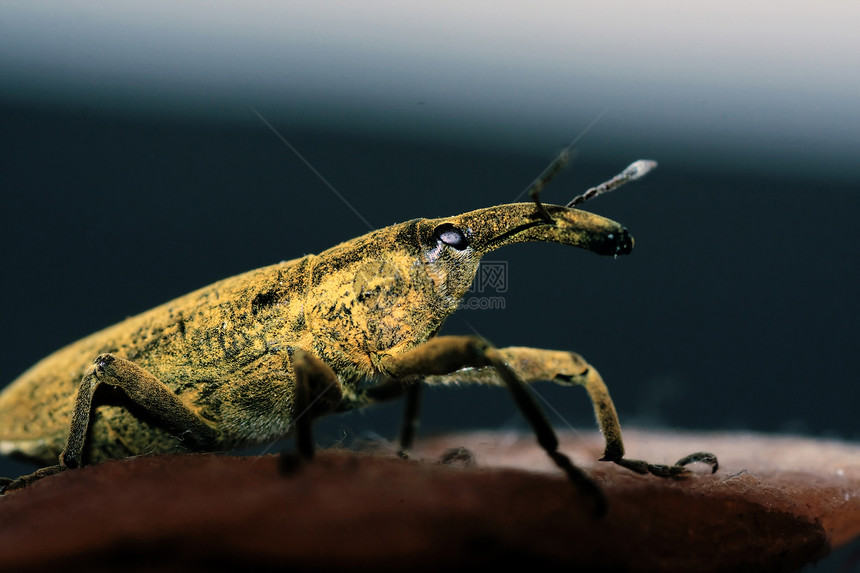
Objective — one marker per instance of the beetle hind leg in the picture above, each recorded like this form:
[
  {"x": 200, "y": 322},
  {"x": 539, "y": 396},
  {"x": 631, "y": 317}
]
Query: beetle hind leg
[
  {"x": 142, "y": 388},
  {"x": 9, "y": 484}
]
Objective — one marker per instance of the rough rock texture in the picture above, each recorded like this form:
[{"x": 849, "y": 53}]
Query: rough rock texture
[{"x": 774, "y": 505}]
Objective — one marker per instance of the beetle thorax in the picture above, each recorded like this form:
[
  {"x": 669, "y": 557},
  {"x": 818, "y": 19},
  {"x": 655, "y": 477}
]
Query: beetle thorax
[{"x": 379, "y": 304}]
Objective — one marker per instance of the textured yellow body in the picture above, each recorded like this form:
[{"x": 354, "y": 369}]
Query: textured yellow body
[
  {"x": 254, "y": 357},
  {"x": 209, "y": 346},
  {"x": 225, "y": 349}
]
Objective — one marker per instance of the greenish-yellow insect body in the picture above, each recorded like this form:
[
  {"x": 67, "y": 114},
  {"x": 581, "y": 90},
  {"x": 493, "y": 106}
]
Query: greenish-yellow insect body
[{"x": 254, "y": 357}]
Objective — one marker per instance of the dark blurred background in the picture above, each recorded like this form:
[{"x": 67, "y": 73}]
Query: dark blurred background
[{"x": 139, "y": 162}]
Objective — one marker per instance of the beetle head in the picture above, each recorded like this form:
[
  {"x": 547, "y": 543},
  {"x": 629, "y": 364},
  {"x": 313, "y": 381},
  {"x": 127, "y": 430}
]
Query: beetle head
[
  {"x": 452, "y": 247},
  {"x": 392, "y": 289}
]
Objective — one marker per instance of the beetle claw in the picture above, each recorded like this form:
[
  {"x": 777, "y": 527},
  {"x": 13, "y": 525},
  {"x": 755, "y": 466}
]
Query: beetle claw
[{"x": 703, "y": 457}]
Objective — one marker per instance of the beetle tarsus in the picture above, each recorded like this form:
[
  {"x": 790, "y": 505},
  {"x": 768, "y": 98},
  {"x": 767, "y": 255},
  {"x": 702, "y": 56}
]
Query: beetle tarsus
[
  {"x": 458, "y": 456},
  {"x": 9, "y": 484},
  {"x": 700, "y": 457},
  {"x": 678, "y": 470}
]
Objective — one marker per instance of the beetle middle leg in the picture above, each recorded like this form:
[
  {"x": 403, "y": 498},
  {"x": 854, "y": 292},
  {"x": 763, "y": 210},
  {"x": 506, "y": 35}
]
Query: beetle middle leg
[{"x": 318, "y": 392}]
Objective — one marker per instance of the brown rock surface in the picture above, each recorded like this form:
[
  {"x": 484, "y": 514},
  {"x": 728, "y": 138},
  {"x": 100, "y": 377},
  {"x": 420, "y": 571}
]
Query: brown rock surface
[{"x": 776, "y": 504}]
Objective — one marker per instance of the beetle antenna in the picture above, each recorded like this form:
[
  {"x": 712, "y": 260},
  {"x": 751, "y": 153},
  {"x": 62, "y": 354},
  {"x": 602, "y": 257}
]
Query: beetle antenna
[
  {"x": 554, "y": 168},
  {"x": 634, "y": 171},
  {"x": 557, "y": 166}
]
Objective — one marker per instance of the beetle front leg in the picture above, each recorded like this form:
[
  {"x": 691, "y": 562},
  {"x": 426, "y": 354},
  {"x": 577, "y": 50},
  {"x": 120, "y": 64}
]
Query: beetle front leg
[
  {"x": 446, "y": 354},
  {"x": 142, "y": 388},
  {"x": 569, "y": 368},
  {"x": 607, "y": 419}
]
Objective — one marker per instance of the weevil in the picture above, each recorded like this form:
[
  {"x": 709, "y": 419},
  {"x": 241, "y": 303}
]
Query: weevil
[{"x": 254, "y": 357}]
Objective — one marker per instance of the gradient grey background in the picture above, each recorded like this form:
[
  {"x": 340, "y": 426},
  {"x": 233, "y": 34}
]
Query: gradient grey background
[{"x": 135, "y": 169}]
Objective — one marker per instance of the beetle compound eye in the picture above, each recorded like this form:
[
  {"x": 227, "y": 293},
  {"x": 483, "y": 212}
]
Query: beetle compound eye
[{"x": 451, "y": 236}]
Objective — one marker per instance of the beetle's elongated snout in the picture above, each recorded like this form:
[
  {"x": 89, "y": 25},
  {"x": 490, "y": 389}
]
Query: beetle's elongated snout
[
  {"x": 589, "y": 231},
  {"x": 452, "y": 247},
  {"x": 494, "y": 227},
  {"x": 614, "y": 243}
]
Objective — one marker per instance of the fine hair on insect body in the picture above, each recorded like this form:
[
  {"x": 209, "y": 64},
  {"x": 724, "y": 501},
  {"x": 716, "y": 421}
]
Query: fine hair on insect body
[{"x": 260, "y": 355}]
